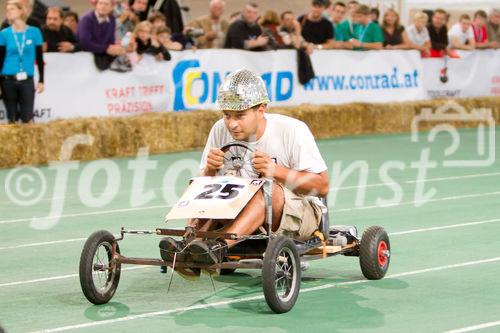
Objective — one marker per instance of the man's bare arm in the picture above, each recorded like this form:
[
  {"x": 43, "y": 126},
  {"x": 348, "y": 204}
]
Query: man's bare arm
[{"x": 301, "y": 182}]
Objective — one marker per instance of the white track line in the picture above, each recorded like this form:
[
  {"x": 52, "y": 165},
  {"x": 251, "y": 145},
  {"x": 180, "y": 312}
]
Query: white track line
[
  {"x": 167, "y": 206},
  {"x": 475, "y": 327},
  {"x": 449, "y": 226},
  {"x": 457, "y": 197},
  {"x": 111, "y": 211},
  {"x": 42, "y": 243},
  {"x": 397, "y": 233},
  {"x": 437, "y": 179},
  {"x": 60, "y": 277},
  {"x": 259, "y": 297}
]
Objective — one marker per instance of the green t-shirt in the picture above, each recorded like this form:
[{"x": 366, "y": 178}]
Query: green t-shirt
[
  {"x": 371, "y": 33},
  {"x": 343, "y": 31}
]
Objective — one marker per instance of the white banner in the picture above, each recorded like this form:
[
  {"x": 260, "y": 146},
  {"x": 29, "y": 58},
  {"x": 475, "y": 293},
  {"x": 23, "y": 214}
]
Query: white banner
[
  {"x": 475, "y": 73},
  {"x": 75, "y": 88}
]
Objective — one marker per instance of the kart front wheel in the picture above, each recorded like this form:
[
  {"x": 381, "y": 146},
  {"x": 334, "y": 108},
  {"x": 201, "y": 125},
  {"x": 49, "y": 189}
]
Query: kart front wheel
[
  {"x": 374, "y": 253},
  {"x": 281, "y": 274},
  {"x": 99, "y": 274}
]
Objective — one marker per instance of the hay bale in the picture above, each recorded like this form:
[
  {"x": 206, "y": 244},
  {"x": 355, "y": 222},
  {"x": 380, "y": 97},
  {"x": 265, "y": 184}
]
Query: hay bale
[{"x": 161, "y": 132}]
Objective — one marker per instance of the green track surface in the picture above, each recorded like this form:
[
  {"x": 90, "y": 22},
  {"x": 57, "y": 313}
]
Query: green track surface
[{"x": 439, "y": 279}]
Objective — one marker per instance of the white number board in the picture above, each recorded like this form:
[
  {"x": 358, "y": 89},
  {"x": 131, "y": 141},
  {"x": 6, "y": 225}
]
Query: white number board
[{"x": 215, "y": 198}]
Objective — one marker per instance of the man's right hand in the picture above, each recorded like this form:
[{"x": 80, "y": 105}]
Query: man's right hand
[
  {"x": 262, "y": 40},
  {"x": 215, "y": 161},
  {"x": 211, "y": 35},
  {"x": 115, "y": 50}
]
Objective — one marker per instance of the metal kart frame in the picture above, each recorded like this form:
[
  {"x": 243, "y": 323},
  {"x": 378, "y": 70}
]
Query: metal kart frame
[
  {"x": 318, "y": 247},
  {"x": 278, "y": 257}
]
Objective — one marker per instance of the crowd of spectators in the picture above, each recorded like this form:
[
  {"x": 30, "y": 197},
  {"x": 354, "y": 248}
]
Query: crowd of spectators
[{"x": 120, "y": 32}]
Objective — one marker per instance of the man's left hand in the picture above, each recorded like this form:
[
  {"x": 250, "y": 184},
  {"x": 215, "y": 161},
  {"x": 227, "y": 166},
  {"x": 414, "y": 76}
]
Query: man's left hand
[
  {"x": 65, "y": 47},
  {"x": 263, "y": 164},
  {"x": 40, "y": 87}
]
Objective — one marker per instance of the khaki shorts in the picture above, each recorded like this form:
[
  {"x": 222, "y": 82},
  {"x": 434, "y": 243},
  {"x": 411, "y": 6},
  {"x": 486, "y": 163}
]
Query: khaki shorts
[{"x": 300, "y": 217}]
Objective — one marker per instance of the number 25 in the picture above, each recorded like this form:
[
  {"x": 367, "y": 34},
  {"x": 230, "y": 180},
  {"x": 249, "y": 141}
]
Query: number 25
[{"x": 229, "y": 191}]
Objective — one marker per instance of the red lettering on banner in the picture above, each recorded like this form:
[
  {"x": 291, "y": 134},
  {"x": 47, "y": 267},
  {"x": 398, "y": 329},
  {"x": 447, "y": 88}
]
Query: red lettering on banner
[
  {"x": 495, "y": 82},
  {"x": 123, "y": 100},
  {"x": 151, "y": 90},
  {"x": 130, "y": 107},
  {"x": 124, "y": 92}
]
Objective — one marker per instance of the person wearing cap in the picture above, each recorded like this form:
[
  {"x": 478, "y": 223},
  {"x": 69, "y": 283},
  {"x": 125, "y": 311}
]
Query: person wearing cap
[{"x": 285, "y": 151}]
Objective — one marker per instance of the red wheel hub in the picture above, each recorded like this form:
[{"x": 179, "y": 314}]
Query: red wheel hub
[{"x": 382, "y": 254}]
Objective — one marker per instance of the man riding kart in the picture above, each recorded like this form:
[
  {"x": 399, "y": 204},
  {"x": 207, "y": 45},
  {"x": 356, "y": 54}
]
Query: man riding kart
[{"x": 284, "y": 150}]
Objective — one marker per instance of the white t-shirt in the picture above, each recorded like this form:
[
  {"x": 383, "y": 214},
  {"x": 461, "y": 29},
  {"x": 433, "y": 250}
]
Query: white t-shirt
[
  {"x": 456, "y": 32},
  {"x": 288, "y": 141},
  {"x": 418, "y": 37}
]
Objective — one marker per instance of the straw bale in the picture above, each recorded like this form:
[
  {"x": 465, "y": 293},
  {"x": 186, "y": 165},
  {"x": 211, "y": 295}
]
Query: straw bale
[{"x": 160, "y": 132}]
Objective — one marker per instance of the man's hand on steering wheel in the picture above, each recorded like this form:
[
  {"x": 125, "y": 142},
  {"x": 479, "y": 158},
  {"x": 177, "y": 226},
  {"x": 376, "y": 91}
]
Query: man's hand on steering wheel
[
  {"x": 263, "y": 164},
  {"x": 215, "y": 160}
]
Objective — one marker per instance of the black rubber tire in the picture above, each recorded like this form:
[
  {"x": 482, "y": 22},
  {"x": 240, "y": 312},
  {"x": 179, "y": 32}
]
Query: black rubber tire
[
  {"x": 277, "y": 246},
  {"x": 368, "y": 253},
  {"x": 92, "y": 292}
]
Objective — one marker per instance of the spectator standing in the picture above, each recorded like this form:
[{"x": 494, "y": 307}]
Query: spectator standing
[
  {"x": 289, "y": 31},
  {"x": 461, "y": 35},
  {"x": 57, "y": 37},
  {"x": 245, "y": 33},
  {"x": 96, "y": 34},
  {"x": 270, "y": 23},
  {"x": 71, "y": 21},
  {"x": 418, "y": 34},
  {"x": 158, "y": 20},
  {"x": 375, "y": 15},
  {"x": 317, "y": 30},
  {"x": 493, "y": 28},
  {"x": 31, "y": 20},
  {"x": 164, "y": 36},
  {"x": 130, "y": 17},
  {"x": 395, "y": 36},
  {"x": 346, "y": 28},
  {"x": 214, "y": 27},
  {"x": 367, "y": 35},
  {"x": 480, "y": 31},
  {"x": 20, "y": 47},
  {"x": 148, "y": 44},
  {"x": 438, "y": 33},
  {"x": 337, "y": 15},
  {"x": 143, "y": 13}
]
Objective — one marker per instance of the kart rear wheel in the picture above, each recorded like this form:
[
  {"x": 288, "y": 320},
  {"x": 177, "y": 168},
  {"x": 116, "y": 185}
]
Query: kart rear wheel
[
  {"x": 374, "y": 253},
  {"x": 281, "y": 274},
  {"x": 99, "y": 275}
]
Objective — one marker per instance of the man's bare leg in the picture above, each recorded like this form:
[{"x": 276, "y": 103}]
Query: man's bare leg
[{"x": 254, "y": 214}]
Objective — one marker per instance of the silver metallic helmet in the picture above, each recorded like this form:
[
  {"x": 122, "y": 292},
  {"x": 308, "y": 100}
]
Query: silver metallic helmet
[{"x": 241, "y": 90}]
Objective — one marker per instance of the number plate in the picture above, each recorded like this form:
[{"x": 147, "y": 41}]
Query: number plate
[{"x": 215, "y": 198}]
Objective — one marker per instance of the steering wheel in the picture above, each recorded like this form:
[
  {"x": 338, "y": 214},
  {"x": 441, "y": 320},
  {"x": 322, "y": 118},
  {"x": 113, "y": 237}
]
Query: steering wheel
[{"x": 238, "y": 160}]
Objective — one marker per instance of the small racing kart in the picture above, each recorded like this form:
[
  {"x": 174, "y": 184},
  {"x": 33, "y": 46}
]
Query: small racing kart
[{"x": 223, "y": 197}]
